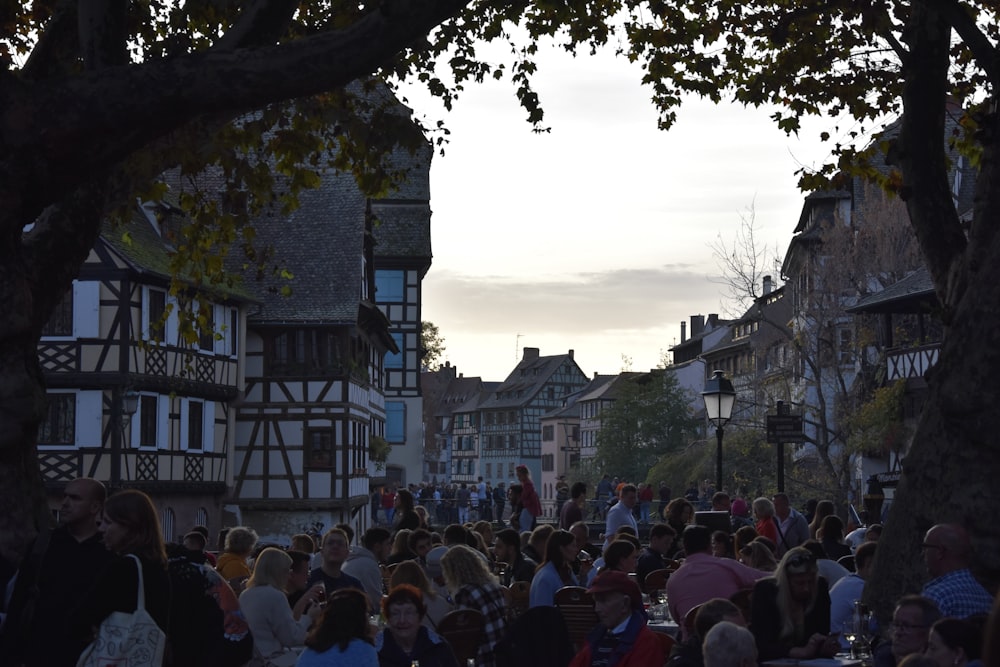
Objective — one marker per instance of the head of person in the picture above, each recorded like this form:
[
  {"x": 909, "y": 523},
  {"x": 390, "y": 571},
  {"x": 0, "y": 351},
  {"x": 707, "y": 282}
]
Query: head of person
[
  {"x": 304, "y": 543},
  {"x": 348, "y": 531},
  {"x": 404, "y": 501},
  {"x": 616, "y": 596},
  {"x": 409, "y": 572},
  {"x": 485, "y": 529},
  {"x": 421, "y": 512},
  {"x": 911, "y": 620},
  {"x": 661, "y": 536},
  {"x": 522, "y": 472},
  {"x": 344, "y": 620},
  {"x": 815, "y": 548},
  {"x": 715, "y": 611},
  {"x": 953, "y": 642},
  {"x": 581, "y": 534},
  {"x": 82, "y": 504},
  {"x": 628, "y": 495},
  {"x": 578, "y": 492},
  {"x": 507, "y": 545},
  {"x": 782, "y": 506},
  {"x": 456, "y": 533},
  {"x": 758, "y": 556},
  {"x": 194, "y": 542},
  {"x": 298, "y": 576},
  {"x": 560, "y": 549},
  {"x": 621, "y": 555},
  {"x": 696, "y": 539},
  {"x": 540, "y": 537},
  {"x": 130, "y": 525},
  {"x": 831, "y": 528},
  {"x": 462, "y": 566},
  {"x": 873, "y": 533},
  {"x": 946, "y": 548},
  {"x": 743, "y": 536},
  {"x": 679, "y": 511},
  {"x": 404, "y": 610},
  {"x": 240, "y": 541},
  {"x": 864, "y": 559},
  {"x": 420, "y": 541},
  {"x": 739, "y": 508},
  {"x": 377, "y": 540},
  {"x": 722, "y": 544},
  {"x": 335, "y": 547},
  {"x": 824, "y": 508},
  {"x": 729, "y": 645},
  {"x": 763, "y": 509},
  {"x": 401, "y": 542},
  {"x": 272, "y": 567},
  {"x": 721, "y": 502}
]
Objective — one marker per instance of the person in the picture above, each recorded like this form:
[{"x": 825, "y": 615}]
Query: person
[
  {"x": 763, "y": 510},
  {"x": 739, "y": 515},
  {"x": 535, "y": 548},
  {"x": 793, "y": 529},
  {"x": 679, "y": 513},
  {"x": 555, "y": 570},
  {"x": 621, "y": 555},
  {"x": 954, "y": 642},
  {"x": 130, "y": 526},
  {"x": 702, "y": 576},
  {"x": 645, "y": 497},
  {"x": 831, "y": 537},
  {"x": 400, "y": 549},
  {"x": 722, "y": 544},
  {"x": 621, "y": 514},
  {"x": 572, "y": 511},
  {"x": 341, "y": 636},
  {"x": 830, "y": 570},
  {"x": 499, "y": 499},
  {"x": 531, "y": 506},
  {"x": 277, "y": 628},
  {"x": 790, "y": 612},
  {"x": 462, "y": 500},
  {"x": 388, "y": 505},
  {"x": 364, "y": 562},
  {"x": 688, "y": 653},
  {"x": 758, "y": 556},
  {"x": 435, "y": 606},
  {"x": 911, "y": 620},
  {"x": 507, "y": 549},
  {"x": 53, "y": 579},
  {"x": 333, "y": 551},
  {"x": 729, "y": 645},
  {"x": 419, "y": 542},
  {"x": 664, "y": 494},
  {"x": 661, "y": 536},
  {"x": 404, "y": 513},
  {"x": 947, "y": 553},
  {"x": 848, "y": 590},
  {"x": 482, "y": 492},
  {"x": 406, "y": 639},
  {"x": 824, "y": 508},
  {"x": 298, "y": 577},
  {"x": 473, "y": 587},
  {"x": 621, "y": 638},
  {"x": 514, "y": 492},
  {"x": 232, "y": 564}
]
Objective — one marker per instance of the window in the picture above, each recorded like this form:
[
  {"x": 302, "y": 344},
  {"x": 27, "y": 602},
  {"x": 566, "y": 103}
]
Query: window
[
  {"x": 510, "y": 469},
  {"x": 489, "y": 469},
  {"x": 148, "y": 422},
  {"x": 304, "y": 352},
  {"x": 319, "y": 448},
  {"x": 548, "y": 433},
  {"x": 197, "y": 425},
  {"x": 390, "y": 286},
  {"x": 548, "y": 462},
  {"x": 168, "y": 525},
  {"x": 395, "y": 421},
  {"x": 395, "y": 359},
  {"x": 845, "y": 341},
  {"x": 59, "y": 427},
  {"x": 154, "y": 314},
  {"x": 61, "y": 321},
  {"x": 206, "y": 334},
  {"x": 196, "y": 420},
  {"x": 201, "y": 517}
]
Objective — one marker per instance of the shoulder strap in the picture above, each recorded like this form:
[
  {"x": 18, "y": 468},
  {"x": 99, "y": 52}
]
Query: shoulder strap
[
  {"x": 777, "y": 525},
  {"x": 140, "y": 602}
]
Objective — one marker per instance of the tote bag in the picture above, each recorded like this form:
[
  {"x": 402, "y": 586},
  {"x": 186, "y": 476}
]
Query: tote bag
[{"x": 127, "y": 639}]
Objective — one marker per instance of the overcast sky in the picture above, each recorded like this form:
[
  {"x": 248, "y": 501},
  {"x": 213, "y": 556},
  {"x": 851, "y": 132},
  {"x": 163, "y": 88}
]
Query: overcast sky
[{"x": 594, "y": 237}]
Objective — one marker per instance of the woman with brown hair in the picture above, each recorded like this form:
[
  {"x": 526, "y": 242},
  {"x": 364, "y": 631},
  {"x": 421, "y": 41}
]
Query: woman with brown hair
[
  {"x": 555, "y": 570},
  {"x": 341, "y": 637},
  {"x": 406, "y": 640},
  {"x": 436, "y": 606},
  {"x": 824, "y": 508},
  {"x": 679, "y": 513}
]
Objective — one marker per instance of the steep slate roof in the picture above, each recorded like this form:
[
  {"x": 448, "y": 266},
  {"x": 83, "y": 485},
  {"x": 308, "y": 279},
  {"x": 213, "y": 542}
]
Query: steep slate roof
[
  {"x": 403, "y": 218},
  {"x": 458, "y": 388},
  {"x": 596, "y": 388},
  {"x": 476, "y": 401},
  {"x": 526, "y": 380},
  {"x": 913, "y": 294}
]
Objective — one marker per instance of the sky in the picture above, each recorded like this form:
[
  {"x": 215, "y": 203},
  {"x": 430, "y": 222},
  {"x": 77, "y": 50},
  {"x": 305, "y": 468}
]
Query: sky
[{"x": 595, "y": 237}]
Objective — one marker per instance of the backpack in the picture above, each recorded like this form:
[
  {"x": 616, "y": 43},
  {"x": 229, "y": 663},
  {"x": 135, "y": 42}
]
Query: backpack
[{"x": 124, "y": 638}]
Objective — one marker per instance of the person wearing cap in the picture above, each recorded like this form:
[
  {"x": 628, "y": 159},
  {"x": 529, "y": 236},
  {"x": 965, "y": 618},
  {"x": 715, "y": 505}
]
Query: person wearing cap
[{"x": 621, "y": 638}]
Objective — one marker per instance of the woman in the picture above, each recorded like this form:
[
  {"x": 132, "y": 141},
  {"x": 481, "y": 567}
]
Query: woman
[
  {"x": 722, "y": 544},
  {"x": 129, "y": 526},
  {"x": 272, "y": 622},
  {"x": 240, "y": 543},
  {"x": 531, "y": 505},
  {"x": 406, "y": 639},
  {"x": 514, "y": 498},
  {"x": 400, "y": 548},
  {"x": 435, "y": 606},
  {"x": 621, "y": 556},
  {"x": 758, "y": 556},
  {"x": 831, "y": 537},
  {"x": 790, "y": 612},
  {"x": 473, "y": 587},
  {"x": 953, "y": 642},
  {"x": 341, "y": 637},
  {"x": 555, "y": 570},
  {"x": 763, "y": 509},
  {"x": 743, "y": 536},
  {"x": 405, "y": 516},
  {"x": 678, "y": 514},
  {"x": 824, "y": 508}
]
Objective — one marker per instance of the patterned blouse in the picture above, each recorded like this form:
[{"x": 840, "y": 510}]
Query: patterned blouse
[{"x": 488, "y": 599}]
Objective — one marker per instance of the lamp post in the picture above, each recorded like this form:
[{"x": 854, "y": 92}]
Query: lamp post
[
  {"x": 719, "y": 397},
  {"x": 128, "y": 404}
]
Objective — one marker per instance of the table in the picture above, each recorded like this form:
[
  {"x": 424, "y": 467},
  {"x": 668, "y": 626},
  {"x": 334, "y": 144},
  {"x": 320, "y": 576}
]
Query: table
[
  {"x": 838, "y": 661},
  {"x": 667, "y": 627}
]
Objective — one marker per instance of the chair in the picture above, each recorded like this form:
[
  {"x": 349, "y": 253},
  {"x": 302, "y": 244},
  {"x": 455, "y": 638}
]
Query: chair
[
  {"x": 666, "y": 643},
  {"x": 519, "y": 597},
  {"x": 387, "y": 571},
  {"x": 742, "y": 599},
  {"x": 848, "y": 563},
  {"x": 687, "y": 626},
  {"x": 656, "y": 581},
  {"x": 537, "y": 638},
  {"x": 465, "y": 630},
  {"x": 577, "y": 608}
]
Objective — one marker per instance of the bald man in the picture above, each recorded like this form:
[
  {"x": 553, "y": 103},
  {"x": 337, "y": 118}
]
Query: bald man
[{"x": 947, "y": 553}]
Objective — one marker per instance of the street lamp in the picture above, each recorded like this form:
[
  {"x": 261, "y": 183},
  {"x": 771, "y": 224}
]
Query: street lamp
[{"x": 719, "y": 397}]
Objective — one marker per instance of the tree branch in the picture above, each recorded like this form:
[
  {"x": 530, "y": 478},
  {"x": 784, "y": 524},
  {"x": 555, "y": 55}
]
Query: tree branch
[
  {"x": 961, "y": 19},
  {"x": 261, "y": 22},
  {"x": 57, "y": 46}
]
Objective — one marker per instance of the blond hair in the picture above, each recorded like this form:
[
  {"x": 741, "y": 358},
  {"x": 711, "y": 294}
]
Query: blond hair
[
  {"x": 462, "y": 565},
  {"x": 269, "y": 567}
]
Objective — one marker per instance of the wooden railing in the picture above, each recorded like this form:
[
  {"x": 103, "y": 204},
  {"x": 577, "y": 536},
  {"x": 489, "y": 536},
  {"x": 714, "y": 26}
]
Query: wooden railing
[{"x": 910, "y": 362}]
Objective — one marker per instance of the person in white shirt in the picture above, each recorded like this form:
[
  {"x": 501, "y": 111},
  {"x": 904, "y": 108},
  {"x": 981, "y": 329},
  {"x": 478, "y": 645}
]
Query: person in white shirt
[
  {"x": 846, "y": 591},
  {"x": 621, "y": 514}
]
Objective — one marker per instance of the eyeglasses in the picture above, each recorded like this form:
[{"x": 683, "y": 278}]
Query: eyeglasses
[
  {"x": 904, "y": 628},
  {"x": 403, "y": 614},
  {"x": 798, "y": 560}
]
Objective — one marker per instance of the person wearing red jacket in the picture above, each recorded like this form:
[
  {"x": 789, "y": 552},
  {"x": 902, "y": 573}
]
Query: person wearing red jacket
[{"x": 621, "y": 638}]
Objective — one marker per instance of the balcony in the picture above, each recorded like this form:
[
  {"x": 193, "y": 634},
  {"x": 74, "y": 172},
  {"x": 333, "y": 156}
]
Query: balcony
[{"x": 910, "y": 363}]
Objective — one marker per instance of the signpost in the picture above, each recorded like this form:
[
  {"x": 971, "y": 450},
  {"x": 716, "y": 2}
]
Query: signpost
[{"x": 781, "y": 428}]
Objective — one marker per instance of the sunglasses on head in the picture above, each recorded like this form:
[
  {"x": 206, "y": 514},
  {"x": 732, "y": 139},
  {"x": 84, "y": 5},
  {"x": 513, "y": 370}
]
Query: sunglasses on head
[{"x": 798, "y": 560}]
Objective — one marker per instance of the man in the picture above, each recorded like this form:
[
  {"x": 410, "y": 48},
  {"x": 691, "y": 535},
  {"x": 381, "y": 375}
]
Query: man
[
  {"x": 363, "y": 563},
  {"x": 947, "y": 553},
  {"x": 793, "y": 529},
  {"x": 486, "y": 503},
  {"x": 665, "y": 499},
  {"x": 621, "y": 514},
  {"x": 562, "y": 493},
  {"x": 499, "y": 500},
  {"x": 572, "y": 511},
  {"x": 702, "y": 576},
  {"x": 661, "y": 536},
  {"x": 729, "y": 645},
  {"x": 462, "y": 497},
  {"x": 507, "y": 549},
  {"x": 298, "y": 579},
  {"x": 333, "y": 551},
  {"x": 911, "y": 621},
  {"x": 621, "y": 638},
  {"x": 603, "y": 495},
  {"x": 721, "y": 502},
  {"x": 688, "y": 653},
  {"x": 845, "y": 592},
  {"x": 420, "y": 542},
  {"x": 535, "y": 549},
  {"x": 581, "y": 537},
  {"x": 62, "y": 564}
]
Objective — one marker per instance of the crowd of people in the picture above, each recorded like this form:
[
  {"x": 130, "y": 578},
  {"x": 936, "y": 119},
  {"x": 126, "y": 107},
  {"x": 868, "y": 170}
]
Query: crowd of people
[{"x": 774, "y": 584}]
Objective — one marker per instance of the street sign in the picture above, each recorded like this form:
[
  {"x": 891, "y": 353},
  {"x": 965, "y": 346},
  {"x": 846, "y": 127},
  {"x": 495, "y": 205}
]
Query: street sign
[{"x": 784, "y": 428}]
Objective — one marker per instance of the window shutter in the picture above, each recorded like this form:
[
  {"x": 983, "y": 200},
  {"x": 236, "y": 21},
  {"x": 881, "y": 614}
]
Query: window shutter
[
  {"x": 86, "y": 309},
  {"x": 89, "y": 418}
]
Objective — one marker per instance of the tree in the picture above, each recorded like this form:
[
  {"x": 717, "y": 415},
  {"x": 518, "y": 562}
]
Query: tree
[
  {"x": 432, "y": 346},
  {"x": 95, "y": 105},
  {"x": 648, "y": 418}
]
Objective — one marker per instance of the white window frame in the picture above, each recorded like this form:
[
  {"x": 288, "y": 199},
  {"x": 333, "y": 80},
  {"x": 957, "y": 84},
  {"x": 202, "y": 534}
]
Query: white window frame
[
  {"x": 162, "y": 423},
  {"x": 86, "y": 309},
  {"x": 207, "y": 425}
]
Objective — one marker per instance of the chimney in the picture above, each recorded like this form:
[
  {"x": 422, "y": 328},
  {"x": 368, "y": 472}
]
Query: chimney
[
  {"x": 530, "y": 353},
  {"x": 684, "y": 331},
  {"x": 768, "y": 285},
  {"x": 697, "y": 325},
  {"x": 571, "y": 354},
  {"x": 713, "y": 321}
]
